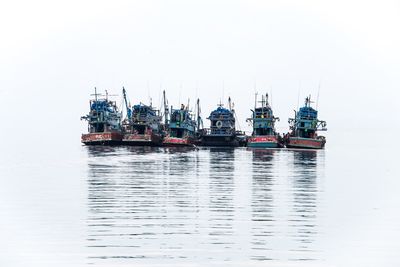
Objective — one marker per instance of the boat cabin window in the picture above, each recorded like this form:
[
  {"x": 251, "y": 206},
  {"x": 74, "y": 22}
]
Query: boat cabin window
[
  {"x": 178, "y": 133},
  {"x": 263, "y": 131},
  {"x": 221, "y": 124},
  {"x": 140, "y": 129},
  {"x": 99, "y": 128},
  {"x": 178, "y": 116},
  {"x": 306, "y": 134}
]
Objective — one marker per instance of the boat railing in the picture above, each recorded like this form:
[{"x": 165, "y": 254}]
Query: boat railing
[
  {"x": 218, "y": 117},
  {"x": 217, "y": 131}
]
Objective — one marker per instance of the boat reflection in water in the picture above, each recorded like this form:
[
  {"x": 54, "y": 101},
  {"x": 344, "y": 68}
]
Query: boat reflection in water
[
  {"x": 142, "y": 204},
  {"x": 284, "y": 205},
  {"x": 304, "y": 218},
  {"x": 263, "y": 221},
  {"x": 221, "y": 206},
  {"x": 211, "y": 207}
]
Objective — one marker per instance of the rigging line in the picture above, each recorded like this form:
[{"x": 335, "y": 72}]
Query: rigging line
[
  {"x": 223, "y": 90},
  {"x": 148, "y": 90},
  {"x": 238, "y": 122},
  {"x": 159, "y": 100},
  {"x": 197, "y": 89},
  {"x": 319, "y": 87},
  {"x": 298, "y": 95},
  {"x": 271, "y": 96},
  {"x": 122, "y": 106},
  {"x": 180, "y": 91}
]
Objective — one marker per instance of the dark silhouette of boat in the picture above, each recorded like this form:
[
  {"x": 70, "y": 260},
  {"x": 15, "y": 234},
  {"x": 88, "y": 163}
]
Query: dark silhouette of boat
[
  {"x": 180, "y": 126},
  {"x": 142, "y": 126},
  {"x": 263, "y": 121},
  {"x": 104, "y": 122},
  {"x": 222, "y": 131},
  {"x": 304, "y": 127}
]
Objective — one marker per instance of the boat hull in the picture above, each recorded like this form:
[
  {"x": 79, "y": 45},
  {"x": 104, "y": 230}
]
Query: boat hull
[
  {"x": 263, "y": 142},
  {"x": 174, "y": 141},
  {"x": 142, "y": 140},
  {"x": 221, "y": 141},
  {"x": 308, "y": 143},
  {"x": 107, "y": 138}
]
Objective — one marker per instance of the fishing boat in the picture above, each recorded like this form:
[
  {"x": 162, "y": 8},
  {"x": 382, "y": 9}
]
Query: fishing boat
[
  {"x": 104, "y": 122},
  {"x": 304, "y": 127},
  {"x": 222, "y": 131},
  {"x": 180, "y": 127},
  {"x": 142, "y": 125},
  {"x": 263, "y": 121}
]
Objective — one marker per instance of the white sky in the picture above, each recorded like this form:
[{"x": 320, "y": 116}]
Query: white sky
[{"x": 53, "y": 53}]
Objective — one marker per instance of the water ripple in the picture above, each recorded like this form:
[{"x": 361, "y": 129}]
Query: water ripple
[{"x": 207, "y": 205}]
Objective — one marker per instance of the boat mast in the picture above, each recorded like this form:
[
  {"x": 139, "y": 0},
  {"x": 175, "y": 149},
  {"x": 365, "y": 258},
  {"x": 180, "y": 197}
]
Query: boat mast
[
  {"x": 255, "y": 105},
  {"x": 255, "y": 101},
  {"x": 166, "y": 109},
  {"x": 128, "y": 111},
  {"x": 198, "y": 113},
  {"x": 319, "y": 87},
  {"x": 95, "y": 99},
  {"x": 262, "y": 103}
]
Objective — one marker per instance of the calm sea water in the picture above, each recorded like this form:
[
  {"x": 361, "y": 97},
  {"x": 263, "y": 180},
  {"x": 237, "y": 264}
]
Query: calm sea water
[{"x": 132, "y": 206}]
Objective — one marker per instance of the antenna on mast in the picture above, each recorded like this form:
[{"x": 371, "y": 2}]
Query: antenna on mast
[
  {"x": 180, "y": 91},
  {"x": 270, "y": 97},
  {"x": 308, "y": 101},
  {"x": 298, "y": 95},
  {"x": 197, "y": 89},
  {"x": 159, "y": 99},
  {"x": 262, "y": 102},
  {"x": 255, "y": 101},
  {"x": 319, "y": 87},
  {"x": 223, "y": 89},
  {"x": 198, "y": 114},
  {"x": 148, "y": 90},
  {"x": 166, "y": 109}
]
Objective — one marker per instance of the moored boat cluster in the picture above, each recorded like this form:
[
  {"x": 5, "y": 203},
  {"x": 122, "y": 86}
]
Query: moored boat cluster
[{"x": 144, "y": 125}]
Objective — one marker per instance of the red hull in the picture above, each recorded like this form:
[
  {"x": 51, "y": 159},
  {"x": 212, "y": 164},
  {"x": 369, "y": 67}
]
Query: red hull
[
  {"x": 173, "y": 141},
  {"x": 297, "y": 142},
  {"x": 264, "y": 141},
  {"x": 107, "y": 138},
  {"x": 141, "y": 139}
]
